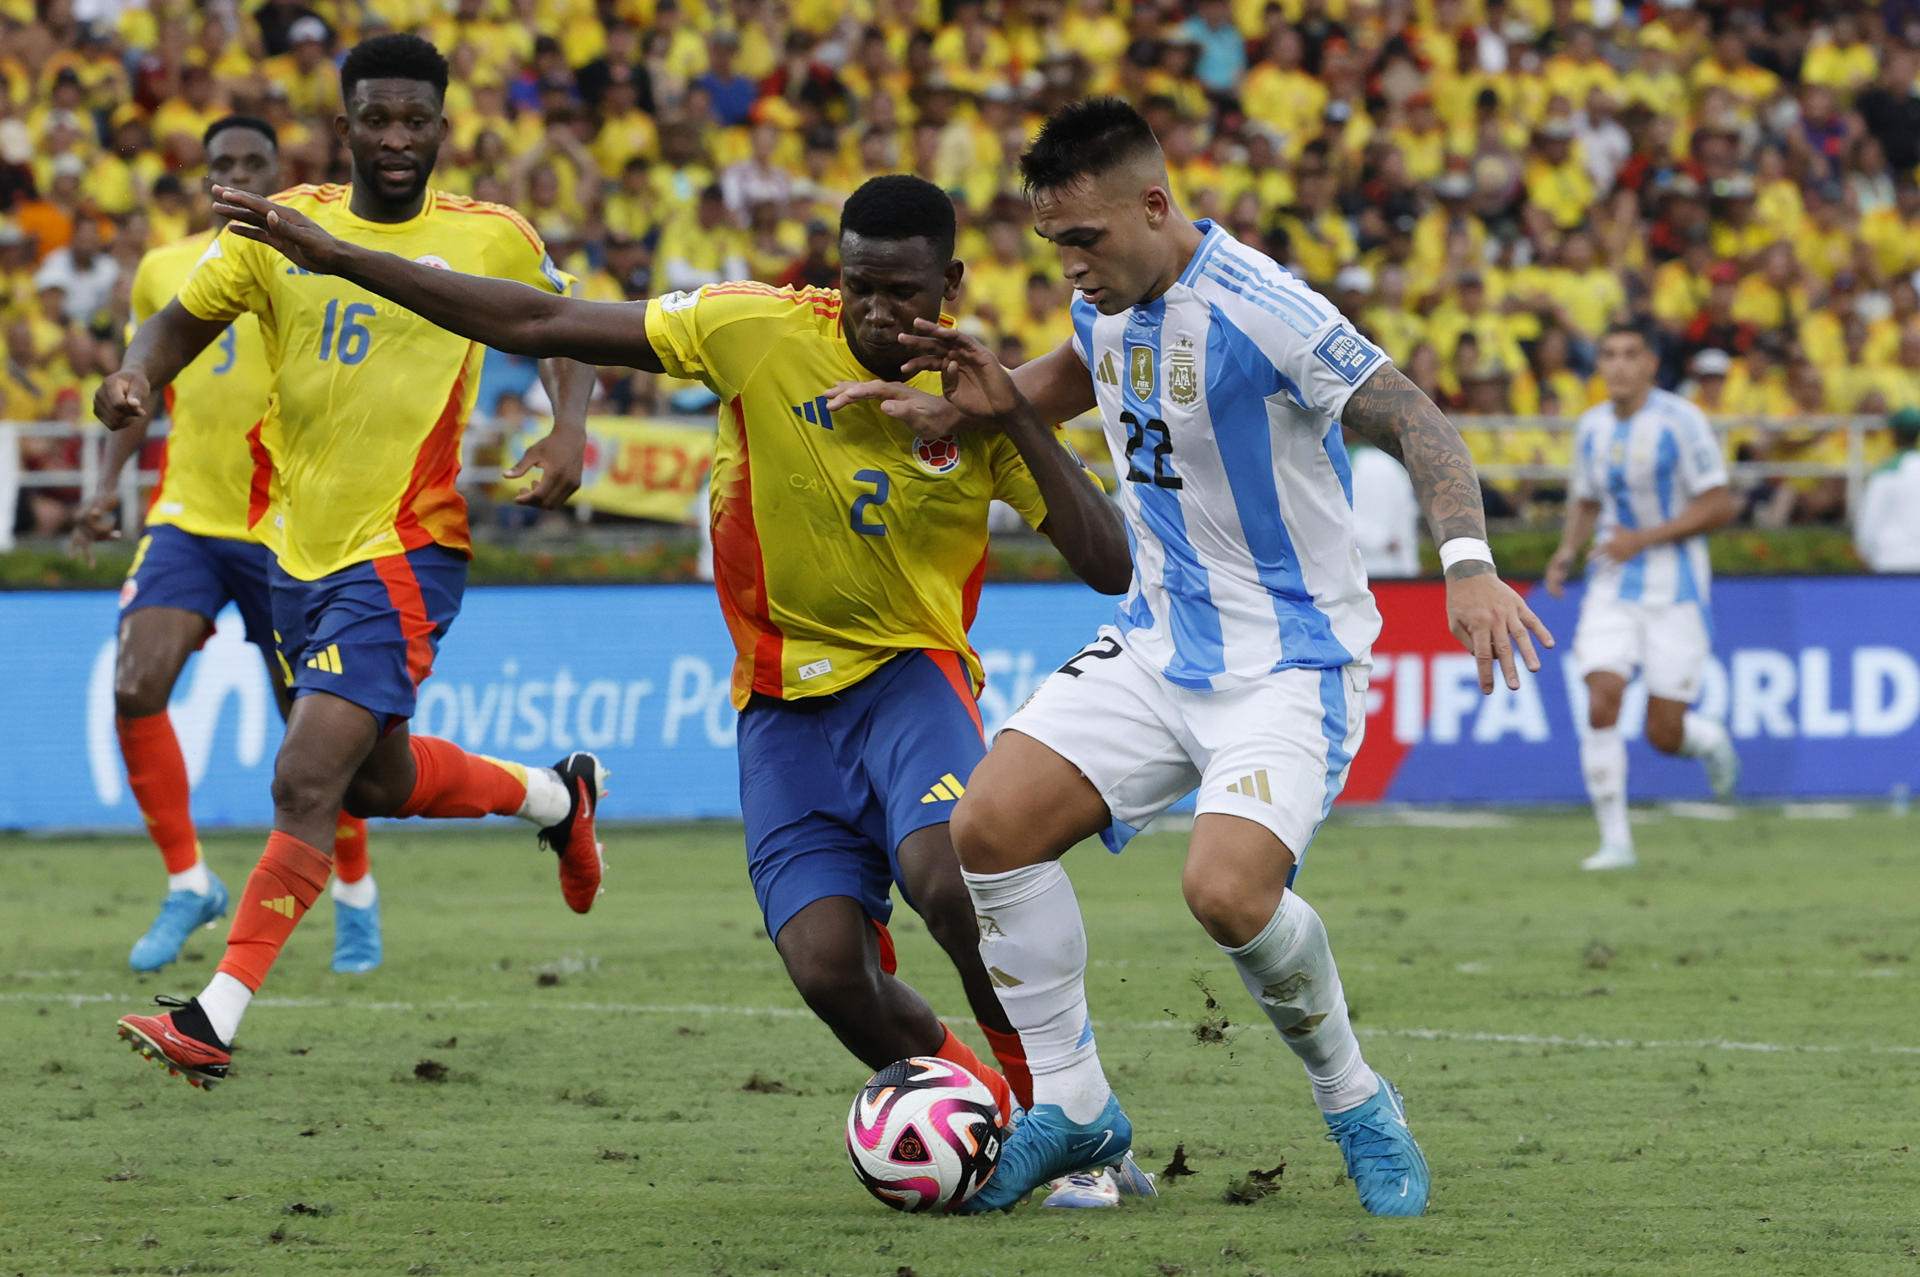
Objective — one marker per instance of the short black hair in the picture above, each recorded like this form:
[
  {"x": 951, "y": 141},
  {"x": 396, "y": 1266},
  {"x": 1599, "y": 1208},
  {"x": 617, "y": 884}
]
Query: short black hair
[
  {"x": 253, "y": 122},
  {"x": 901, "y": 206},
  {"x": 1629, "y": 328},
  {"x": 396, "y": 56},
  {"x": 1087, "y": 139}
]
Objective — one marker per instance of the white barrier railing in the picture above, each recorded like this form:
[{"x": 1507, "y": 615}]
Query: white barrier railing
[{"x": 15, "y": 475}]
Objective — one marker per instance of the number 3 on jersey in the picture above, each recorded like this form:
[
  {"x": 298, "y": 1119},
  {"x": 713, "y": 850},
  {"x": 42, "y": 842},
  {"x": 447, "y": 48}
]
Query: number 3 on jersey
[
  {"x": 1137, "y": 432},
  {"x": 353, "y": 339}
]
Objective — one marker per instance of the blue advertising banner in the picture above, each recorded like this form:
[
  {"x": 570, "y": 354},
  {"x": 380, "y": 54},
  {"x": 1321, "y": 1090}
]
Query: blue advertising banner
[{"x": 1818, "y": 680}]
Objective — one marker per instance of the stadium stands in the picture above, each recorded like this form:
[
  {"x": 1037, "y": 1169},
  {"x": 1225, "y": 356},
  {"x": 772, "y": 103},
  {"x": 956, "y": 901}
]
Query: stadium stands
[{"x": 1482, "y": 184}]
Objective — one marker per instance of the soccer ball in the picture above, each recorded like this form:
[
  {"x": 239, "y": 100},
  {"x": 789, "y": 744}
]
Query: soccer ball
[{"x": 924, "y": 1134}]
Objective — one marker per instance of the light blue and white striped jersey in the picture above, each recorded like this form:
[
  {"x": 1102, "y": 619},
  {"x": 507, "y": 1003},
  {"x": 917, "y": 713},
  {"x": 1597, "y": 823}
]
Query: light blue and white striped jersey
[
  {"x": 1220, "y": 400},
  {"x": 1643, "y": 471}
]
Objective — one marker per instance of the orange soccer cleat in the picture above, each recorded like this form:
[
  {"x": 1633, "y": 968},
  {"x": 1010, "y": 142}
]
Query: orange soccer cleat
[
  {"x": 181, "y": 1039},
  {"x": 573, "y": 839}
]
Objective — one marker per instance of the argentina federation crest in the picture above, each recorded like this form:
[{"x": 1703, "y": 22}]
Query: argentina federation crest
[
  {"x": 1140, "y": 371},
  {"x": 1183, "y": 374}
]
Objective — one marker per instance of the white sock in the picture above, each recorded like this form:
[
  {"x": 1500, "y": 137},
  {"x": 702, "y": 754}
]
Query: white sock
[
  {"x": 1700, "y": 735},
  {"x": 1603, "y": 761},
  {"x": 1289, "y": 970},
  {"x": 197, "y": 879},
  {"x": 225, "y": 1001},
  {"x": 548, "y": 801},
  {"x": 1034, "y": 946},
  {"x": 355, "y": 895}
]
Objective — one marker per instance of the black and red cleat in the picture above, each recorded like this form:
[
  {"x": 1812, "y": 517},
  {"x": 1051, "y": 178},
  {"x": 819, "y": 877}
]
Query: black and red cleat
[
  {"x": 181, "y": 1040},
  {"x": 574, "y": 839}
]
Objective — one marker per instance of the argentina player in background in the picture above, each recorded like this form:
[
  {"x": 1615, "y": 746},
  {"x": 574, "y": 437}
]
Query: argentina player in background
[
  {"x": 1648, "y": 472},
  {"x": 1237, "y": 664}
]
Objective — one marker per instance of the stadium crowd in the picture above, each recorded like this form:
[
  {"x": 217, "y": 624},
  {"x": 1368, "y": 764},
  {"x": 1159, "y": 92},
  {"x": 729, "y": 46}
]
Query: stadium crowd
[{"x": 1483, "y": 185}]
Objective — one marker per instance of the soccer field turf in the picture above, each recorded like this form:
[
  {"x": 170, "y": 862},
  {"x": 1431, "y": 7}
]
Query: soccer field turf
[{"x": 1706, "y": 1065}]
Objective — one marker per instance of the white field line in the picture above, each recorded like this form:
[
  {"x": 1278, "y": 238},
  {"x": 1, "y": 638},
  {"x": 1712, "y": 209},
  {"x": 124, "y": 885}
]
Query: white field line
[{"x": 707, "y": 1009}]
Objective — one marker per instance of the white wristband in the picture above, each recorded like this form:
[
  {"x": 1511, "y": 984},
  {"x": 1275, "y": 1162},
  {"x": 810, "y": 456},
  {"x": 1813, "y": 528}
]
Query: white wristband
[{"x": 1464, "y": 550}]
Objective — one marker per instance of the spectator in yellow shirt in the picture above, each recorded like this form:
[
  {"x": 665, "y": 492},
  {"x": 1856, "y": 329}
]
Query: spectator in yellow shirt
[
  {"x": 1774, "y": 296},
  {"x": 1279, "y": 92},
  {"x": 1844, "y": 61},
  {"x": 1319, "y": 241},
  {"x": 1557, "y": 182},
  {"x": 1732, "y": 69},
  {"x": 305, "y": 71}
]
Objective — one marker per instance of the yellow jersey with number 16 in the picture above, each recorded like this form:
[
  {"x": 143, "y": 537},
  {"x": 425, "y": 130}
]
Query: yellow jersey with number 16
[
  {"x": 213, "y": 459},
  {"x": 369, "y": 400}
]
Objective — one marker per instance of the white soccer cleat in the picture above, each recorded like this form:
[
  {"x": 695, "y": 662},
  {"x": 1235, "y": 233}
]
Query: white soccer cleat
[
  {"x": 1613, "y": 855},
  {"x": 1723, "y": 771},
  {"x": 1085, "y": 1190}
]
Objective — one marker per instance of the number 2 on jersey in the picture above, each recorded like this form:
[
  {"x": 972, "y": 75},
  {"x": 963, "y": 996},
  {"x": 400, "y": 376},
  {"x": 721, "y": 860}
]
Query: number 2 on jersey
[
  {"x": 353, "y": 338},
  {"x": 1137, "y": 432},
  {"x": 857, "y": 516}
]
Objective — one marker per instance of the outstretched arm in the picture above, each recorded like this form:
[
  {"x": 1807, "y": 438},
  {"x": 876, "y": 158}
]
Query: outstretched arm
[
  {"x": 1057, "y": 385},
  {"x": 507, "y": 316},
  {"x": 1581, "y": 517},
  {"x": 1484, "y": 613},
  {"x": 1081, "y": 522},
  {"x": 95, "y": 522},
  {"x": 1711, "y": 510},
  {"x": 161, "y": 347}
]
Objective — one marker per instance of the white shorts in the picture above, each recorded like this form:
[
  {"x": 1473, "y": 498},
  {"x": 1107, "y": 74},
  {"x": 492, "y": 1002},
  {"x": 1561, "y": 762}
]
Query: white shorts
[
  {"x": 1666, "y": 643},
  {"x": 1275, "y": 752}
]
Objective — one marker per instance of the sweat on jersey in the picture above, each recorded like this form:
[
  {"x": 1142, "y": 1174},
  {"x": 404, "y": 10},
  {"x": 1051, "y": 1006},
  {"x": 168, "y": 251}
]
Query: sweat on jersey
[
  {"x": 1643, "y": 471},
  {"x": 1221, "y": 401}
]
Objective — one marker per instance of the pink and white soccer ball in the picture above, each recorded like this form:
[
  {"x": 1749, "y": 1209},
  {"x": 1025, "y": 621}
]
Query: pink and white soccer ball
[{"x": 924, "y": 1134}]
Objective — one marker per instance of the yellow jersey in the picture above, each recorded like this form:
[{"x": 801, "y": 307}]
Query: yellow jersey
[
  {"x": 839, "y": 540},
  {"x": 213, "y": 472},
  {"x": 369, "y": 400}
]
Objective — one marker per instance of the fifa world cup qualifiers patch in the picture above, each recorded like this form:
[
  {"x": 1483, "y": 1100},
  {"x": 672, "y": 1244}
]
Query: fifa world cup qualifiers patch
[
  {"x": 1347, "y": 355},
  {"x": 552, "y": 273}
]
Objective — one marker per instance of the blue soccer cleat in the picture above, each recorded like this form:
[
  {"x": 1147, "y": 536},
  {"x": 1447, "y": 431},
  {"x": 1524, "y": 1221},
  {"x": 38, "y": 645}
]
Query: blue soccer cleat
[
  {"x": 180, "y": 913},
  {"x": 1383, "y": 1161},
  {"x": 1046, "y": 1146},
  {"x": 356, "y": 937}
]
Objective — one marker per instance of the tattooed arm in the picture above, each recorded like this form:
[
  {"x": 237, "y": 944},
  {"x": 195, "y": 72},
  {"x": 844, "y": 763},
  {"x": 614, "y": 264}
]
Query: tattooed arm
[{"x": 1484, "y": 613}]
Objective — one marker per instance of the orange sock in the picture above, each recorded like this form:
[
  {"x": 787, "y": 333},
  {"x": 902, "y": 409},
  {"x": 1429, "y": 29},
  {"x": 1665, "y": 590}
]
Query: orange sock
[
  {"x": 954, "y": 1051},
  {"x": 157, "y": 774},
  {"x": 350, "y": 849},
  {"x": 448, "y": 781},
  {"x": 280, "y": 890},
  {"x": 1011, "y": 1054}
]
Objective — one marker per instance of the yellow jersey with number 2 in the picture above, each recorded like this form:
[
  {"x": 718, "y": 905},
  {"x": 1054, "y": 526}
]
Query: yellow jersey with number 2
[
  {"x": 369, "y": 400},
  {"x": 839, "y": 539},
  {"x": 213, "y": 460}
]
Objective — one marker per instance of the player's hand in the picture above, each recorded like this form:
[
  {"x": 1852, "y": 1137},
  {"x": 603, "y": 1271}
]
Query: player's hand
[
  {"x": 1624, "y": 545},
  {"x": 1559, "y": 568},
  {"x": 560, "y": 458},
  {"x": 971, "y": 379},
  {"x": 123, "y": 399},
  {"x": 293, "y": 233},
  {"x": 95, "y": 522},
  {"x": 929, "y": 416},
  {"x": 1490, "y": 620}
]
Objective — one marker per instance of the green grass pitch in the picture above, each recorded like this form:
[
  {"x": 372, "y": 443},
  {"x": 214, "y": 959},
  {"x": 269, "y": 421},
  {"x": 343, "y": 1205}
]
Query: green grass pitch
[{"x": 1708, "y": 1065}]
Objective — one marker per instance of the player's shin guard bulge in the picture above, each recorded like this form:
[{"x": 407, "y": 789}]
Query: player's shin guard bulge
[
  {"x": 452, "y": 783},
  {"x": 157, "y": 774},
  {"x": 280, "y": 890},
  {"x": 954, "y": 1051},
  {"x": 1289, "y": 970}
]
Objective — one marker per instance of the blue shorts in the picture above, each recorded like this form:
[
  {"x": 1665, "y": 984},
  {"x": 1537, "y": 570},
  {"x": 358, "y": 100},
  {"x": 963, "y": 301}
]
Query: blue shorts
[
  {"x": 368, "y": 633},
  {"x": 831, "y": 785},
  {"x": 202, "y": 574}
]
